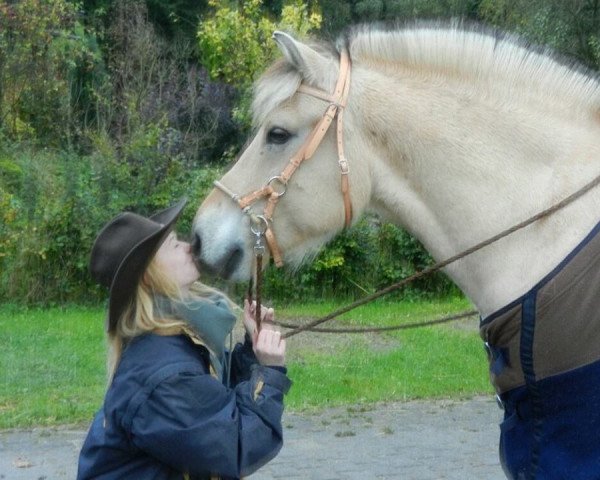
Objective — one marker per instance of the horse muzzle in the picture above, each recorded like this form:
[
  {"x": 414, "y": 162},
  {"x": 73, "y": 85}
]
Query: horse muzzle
[{"x": 227, "y": 260}]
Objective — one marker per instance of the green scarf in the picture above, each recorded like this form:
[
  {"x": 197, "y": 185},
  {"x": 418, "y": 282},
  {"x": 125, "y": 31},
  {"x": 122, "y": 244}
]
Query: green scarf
[{"x": 210, "y": 318}]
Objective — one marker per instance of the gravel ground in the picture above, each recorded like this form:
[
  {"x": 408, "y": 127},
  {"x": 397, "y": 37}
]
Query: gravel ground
[{"x": 421, "y": 440}]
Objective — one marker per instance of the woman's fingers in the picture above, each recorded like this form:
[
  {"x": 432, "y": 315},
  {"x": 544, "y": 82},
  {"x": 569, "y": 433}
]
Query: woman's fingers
[
  {"x": 249, "y": 322},
  {"x": 267, "y": 318},
  {"x": 269, "y": 347}
]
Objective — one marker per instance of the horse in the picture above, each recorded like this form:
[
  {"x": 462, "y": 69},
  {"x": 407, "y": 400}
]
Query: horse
[{"x": 454, "y": 133}]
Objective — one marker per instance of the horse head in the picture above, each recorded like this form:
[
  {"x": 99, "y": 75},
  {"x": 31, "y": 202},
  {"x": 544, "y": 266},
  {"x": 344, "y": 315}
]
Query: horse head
[{"x": 294, "y": 102}]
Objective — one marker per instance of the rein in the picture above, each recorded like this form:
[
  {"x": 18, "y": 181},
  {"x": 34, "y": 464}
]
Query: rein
[
  {"x": 403, "y": 326},
  {"x": 438, "y": 266}
]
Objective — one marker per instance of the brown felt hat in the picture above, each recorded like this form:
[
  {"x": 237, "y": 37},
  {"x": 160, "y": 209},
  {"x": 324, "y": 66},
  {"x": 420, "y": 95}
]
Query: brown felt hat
[{"x": 123, "y": 250}]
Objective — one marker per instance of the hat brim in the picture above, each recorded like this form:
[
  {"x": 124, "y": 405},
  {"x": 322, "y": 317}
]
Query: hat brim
[{"x": 133, "y": 266}]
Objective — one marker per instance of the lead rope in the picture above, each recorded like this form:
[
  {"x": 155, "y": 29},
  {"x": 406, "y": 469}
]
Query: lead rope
[
  {"x": 259, "y": 250},
  {"x": 404, "y": 326}
]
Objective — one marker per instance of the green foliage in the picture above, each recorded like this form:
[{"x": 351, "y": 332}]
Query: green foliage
[
  {"x": 177, "y": 17},
  {"x": 154, "y": 89},
  {"x": 53, "y": 216},
  {"x": 338, "y": 14},
  {"x": 11, "y": 174},
  {"x": 236, "y": 45},
  {"x": 42, "y": 47},
  {"x": 569, "y": 27},
  {"x": 135, "y": 135},
  {"x": 8, "y": 219},
  {"x": 594, "y": 44}
]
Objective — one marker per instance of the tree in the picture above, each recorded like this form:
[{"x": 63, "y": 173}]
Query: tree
[
  {"x": 339, "y": 14},
  {"x": 42, "y": 46},
  {"x": 157, "y": 97},
  {"x": 571, "y": 27},
  {"x": 235, "y": 44}
]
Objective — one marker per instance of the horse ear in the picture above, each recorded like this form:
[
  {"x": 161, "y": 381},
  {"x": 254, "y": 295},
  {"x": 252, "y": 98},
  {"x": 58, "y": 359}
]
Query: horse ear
[{"x": 313, "y": 66}]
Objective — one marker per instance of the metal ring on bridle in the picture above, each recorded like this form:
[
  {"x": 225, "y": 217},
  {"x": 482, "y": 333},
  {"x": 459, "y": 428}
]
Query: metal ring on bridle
[
  {"x": 254, "y": 220},
  {"x": 279, "y": 180}
]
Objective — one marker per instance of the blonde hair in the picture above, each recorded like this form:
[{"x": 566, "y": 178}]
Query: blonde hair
[{"x": 139, "y": 317}]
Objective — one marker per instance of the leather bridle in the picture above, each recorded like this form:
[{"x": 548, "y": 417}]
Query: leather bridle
[{"x": 275, "y": 188}]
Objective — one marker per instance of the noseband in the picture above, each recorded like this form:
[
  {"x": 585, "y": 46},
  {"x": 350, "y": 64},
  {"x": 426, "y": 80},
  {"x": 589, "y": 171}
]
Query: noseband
[{"x": 275, "y": 188}]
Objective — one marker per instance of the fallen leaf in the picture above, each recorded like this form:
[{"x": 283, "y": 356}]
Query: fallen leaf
[{"x": 22, "y": 463}]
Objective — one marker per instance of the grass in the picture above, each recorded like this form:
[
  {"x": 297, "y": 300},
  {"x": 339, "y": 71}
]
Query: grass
[
  {"x": 433, "y": 362},
  {"x": 52, "y": 361},
  {"x": 51, "y": 365}
]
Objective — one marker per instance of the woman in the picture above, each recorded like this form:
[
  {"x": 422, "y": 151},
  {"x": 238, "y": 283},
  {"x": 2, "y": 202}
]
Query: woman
[{"x": 169, "y": 412}]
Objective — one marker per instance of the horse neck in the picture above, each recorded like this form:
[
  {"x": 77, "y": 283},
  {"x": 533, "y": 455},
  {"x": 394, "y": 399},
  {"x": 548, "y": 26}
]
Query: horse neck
[{"x": 455, "y": 168}]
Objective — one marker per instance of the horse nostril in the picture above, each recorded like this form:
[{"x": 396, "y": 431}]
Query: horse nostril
[
  {"x": 196, "y": 245},
  {"x": 232, "y": 262}
]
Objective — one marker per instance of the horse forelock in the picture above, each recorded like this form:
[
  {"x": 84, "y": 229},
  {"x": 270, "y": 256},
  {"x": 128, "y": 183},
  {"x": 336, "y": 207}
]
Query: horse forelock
[
  {"x": 279, "y": 82},
  {"x": 477, "y": 54},
  {"x": 273, "y": 88}
]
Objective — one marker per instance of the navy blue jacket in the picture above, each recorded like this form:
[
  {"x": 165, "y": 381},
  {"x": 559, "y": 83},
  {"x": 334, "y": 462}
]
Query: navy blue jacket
[{"x": 164, "y": 416}]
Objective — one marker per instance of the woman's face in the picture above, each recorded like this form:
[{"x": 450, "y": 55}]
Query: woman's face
[{"x": 174, "y": 257}]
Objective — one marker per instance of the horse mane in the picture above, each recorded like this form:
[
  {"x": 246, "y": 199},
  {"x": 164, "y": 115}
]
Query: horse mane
[
  {"x": 468, "y": 53},
  {"x": 475, "y": 53},
  {"x": 273, "y": 88}
]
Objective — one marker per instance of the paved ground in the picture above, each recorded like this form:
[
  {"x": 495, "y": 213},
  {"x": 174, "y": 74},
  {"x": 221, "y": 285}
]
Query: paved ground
[{"x": 410, "y": 441}]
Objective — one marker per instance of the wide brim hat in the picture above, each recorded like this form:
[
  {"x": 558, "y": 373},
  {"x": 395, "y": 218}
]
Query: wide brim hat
[{"x": 122, "y": 251}]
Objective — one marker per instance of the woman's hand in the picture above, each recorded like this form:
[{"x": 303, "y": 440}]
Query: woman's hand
[
  {"x": 267, "y": 316},
  {"x": 268, "y": 345}
]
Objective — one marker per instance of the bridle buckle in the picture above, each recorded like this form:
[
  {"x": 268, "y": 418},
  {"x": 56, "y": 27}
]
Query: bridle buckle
[{"x": 344, "y": 166}]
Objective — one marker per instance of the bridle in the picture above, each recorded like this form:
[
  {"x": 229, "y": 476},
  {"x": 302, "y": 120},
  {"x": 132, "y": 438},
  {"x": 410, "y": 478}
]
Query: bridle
[{"x": 275, "y": 188}]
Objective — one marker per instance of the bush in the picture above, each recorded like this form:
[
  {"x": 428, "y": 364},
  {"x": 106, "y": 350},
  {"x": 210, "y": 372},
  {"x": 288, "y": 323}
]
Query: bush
[
  {"x": 360, "y": 261},
  {"x": 155, "y": 89},
  {"x": 54, "y": 203},
  {"x": 235, "y": 45},
  {"x": 51, "y": 218}
]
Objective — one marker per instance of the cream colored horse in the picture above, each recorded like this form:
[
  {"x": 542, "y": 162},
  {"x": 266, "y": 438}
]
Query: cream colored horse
[{"x": 453, "y": 134}]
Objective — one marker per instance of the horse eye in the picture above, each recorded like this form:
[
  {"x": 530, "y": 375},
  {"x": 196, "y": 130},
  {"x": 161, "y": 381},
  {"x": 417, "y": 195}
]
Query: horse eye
[{"x": 278, "y": 136}]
